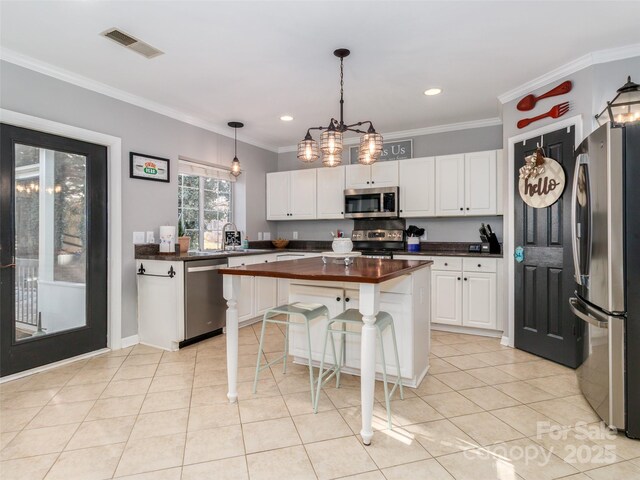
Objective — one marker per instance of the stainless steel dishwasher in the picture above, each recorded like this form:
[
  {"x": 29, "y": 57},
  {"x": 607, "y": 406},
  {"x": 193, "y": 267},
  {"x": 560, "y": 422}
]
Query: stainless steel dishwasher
[{"x": 204, "y": 306}]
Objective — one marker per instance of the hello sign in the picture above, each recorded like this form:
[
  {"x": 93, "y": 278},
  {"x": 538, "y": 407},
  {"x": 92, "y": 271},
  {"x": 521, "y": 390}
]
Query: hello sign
[{"x": 544, "y": 187}]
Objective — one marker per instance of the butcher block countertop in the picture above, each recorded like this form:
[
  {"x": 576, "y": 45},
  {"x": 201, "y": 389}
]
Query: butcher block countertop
[{"x": 362, "y": 270}]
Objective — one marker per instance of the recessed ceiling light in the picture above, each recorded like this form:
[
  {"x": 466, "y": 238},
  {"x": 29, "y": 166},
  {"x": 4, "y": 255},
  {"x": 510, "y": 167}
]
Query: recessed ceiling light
[
  {"x": 433, "y": 91},
  {"x": 286, "y": 118}
]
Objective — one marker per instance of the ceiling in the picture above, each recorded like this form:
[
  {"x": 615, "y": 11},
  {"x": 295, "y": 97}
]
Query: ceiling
[{"x": 255, "y": 61}]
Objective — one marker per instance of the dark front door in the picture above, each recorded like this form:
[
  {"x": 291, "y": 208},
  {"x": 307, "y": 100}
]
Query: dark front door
[
  {"x": 53, "y": 248},
  {"x": 544, "y": 324}
]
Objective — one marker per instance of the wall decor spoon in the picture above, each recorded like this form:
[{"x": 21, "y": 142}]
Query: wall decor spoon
[{"x": 528, "y": 102}]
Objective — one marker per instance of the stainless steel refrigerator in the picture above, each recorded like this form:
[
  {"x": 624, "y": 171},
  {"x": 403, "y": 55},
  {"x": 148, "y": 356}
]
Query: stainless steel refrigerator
[{"x": 606, "y": 253}]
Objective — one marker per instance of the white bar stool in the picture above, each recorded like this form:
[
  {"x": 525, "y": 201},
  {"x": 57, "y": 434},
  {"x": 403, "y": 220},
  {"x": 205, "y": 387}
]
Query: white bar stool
[
  {"x": 308, "y": 312},
  {"x": 353, "y": 316}
]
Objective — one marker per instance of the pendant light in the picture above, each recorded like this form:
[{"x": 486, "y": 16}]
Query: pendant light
[
  {"x": 235, "y": 164},
  {"x": 331, "y": 139},
  {"x": 625, "y": 106}
]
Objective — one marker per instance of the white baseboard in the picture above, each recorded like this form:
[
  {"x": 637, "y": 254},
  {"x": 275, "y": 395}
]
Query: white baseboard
[
  {"x": 466, "y": 330},
  {"x": 506, "y": 341},
  {"x": 49, "y": 366},
  {"x": 129, "y": 341}
]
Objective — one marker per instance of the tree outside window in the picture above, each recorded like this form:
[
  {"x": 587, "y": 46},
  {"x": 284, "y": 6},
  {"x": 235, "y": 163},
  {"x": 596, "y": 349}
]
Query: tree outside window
[{"x": 204, "y": 206}]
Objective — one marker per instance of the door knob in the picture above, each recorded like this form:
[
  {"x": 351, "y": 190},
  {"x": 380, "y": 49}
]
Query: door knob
[
  {"x": 519, "y": 254},
  {"x": 9, "y": 265}
]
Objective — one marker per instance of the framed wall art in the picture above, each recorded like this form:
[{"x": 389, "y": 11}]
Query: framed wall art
[{"x": 147, "y": 167}]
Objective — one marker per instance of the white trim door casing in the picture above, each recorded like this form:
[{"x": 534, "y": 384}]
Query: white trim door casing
[
  {"x": 575, "y": 121},
  {"x": 114, "y": 214}
]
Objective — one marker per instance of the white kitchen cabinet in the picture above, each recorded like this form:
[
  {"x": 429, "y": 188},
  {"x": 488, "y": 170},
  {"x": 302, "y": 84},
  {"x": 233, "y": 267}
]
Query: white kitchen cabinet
[
  {"x": 417, "y": 187},
  {"x": 330, "y": 192},
  {"x": 480, "y": 183},
  {"x": 302, "y": 199},
  {"x": 446, "y": 294},
  {"x": 450, "y": 185},
  {"x": 278, "y": 195},
  {"x": 257, "y": 293},
  {"x": 384, "y": 174},
  {"x": 160, "y": 304},
  {"x": 291, "y": 195},
  {"x": 465, "y": 292},
  {"x": 466, "y": 184},
  {"x": 357, "y": 176},
  {"x": 479, "y": 300},
  {"x": 380, "y": 174}
]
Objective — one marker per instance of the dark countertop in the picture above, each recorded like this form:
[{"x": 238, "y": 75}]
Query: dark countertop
[
  {"x": 362, "y": 270},
  {"x": 429, "y": 249},
  {"x": 444, "y": 253}
]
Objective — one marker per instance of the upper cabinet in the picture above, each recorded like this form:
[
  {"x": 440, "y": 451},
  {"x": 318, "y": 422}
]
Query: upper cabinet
[
  {"x": 445, "y": 186},
  {"x": 466, "y": 184},
  {"x": 291, "y": 195},
  {"x": 380, "y": 174},
  {"x": 417, "y": 187},
  {"x": 480, "y": 183},
  {"x": 330, "y": 192}
]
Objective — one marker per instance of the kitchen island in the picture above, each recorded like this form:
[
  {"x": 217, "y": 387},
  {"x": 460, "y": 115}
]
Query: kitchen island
[{"x": 370, "y": 276}]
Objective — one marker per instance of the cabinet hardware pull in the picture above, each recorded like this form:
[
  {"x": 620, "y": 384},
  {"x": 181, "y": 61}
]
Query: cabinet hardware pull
[
  {"x": 465, "y": 279},
  {"x": 338, "y": 299},
  {"x": 479, "y": 265},
  {"x": 461, "y": 209},
  {"x": 458, "y": 278},
  {"x": 266, "y": 261},
  {"x": 446, "y": 264},
  {"x": 372, "y": 182},
  {"x": 467, "y": 208},
  {"x": 347, "y": 299},
  {"x": 367, "y": 183},
  {"x": 170, "y": 274}
]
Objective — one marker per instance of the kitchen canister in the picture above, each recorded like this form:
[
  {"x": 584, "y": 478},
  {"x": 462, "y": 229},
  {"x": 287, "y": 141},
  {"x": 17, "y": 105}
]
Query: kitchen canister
[
  {"x": 342, "y": 245},
  {"x": 413, "y": 244},
  {"x": 167, "y": 239}
]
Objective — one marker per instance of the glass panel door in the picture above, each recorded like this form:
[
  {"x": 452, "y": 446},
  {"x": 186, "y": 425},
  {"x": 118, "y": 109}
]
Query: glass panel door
[
  {"x": 50, "y": 241},
  {"x": 52, "y": 248}
]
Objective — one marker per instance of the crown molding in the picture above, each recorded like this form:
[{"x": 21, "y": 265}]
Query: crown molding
[
  {"x": 592, "y": 58},
  {"x": 39, "y": 66},
  {"x": 451, "y": 127}
]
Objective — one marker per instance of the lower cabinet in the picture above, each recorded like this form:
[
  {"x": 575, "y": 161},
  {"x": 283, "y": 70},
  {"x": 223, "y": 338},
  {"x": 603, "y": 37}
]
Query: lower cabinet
[
  {"x": 446, "y": 292},
  {"x": 258, "y": 294},
  {"x": 479, "y": 300},
  {"x": 465, "y": 291}
]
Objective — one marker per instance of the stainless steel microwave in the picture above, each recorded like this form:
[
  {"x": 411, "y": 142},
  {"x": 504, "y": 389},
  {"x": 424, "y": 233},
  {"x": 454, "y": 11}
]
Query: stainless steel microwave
[{"x": 371, "y": 202}]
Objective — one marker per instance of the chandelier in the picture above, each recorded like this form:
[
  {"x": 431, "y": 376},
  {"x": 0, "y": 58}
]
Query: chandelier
[{"x": 331, "y": 139}]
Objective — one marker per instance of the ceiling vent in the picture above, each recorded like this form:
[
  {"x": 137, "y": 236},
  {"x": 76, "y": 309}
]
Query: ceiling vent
[{"x": 132, "y": 43}]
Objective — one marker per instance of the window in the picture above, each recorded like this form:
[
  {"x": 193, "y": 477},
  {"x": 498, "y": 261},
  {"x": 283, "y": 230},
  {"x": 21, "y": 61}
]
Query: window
[{"x": 204, "y": 206}]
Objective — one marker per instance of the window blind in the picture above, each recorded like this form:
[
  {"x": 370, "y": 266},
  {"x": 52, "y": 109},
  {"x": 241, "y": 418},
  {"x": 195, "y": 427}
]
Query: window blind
[{"x": 190, "y": 167}]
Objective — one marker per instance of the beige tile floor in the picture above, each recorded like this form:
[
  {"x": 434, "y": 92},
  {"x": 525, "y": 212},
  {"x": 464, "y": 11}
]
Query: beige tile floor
[{"x": 483, "y": 412}]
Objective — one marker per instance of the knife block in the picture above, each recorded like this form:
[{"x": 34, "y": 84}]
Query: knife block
[{"x": 494, "y": 244}]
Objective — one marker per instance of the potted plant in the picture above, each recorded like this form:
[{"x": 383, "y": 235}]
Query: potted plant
[{"x": 183, "y": 240}]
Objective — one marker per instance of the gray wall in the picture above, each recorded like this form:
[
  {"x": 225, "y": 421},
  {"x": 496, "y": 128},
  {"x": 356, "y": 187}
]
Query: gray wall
[
  {"x": 592, "y": 87},
  {"x": 146, "y": 205},
  {"x": 437, "y": 229}
]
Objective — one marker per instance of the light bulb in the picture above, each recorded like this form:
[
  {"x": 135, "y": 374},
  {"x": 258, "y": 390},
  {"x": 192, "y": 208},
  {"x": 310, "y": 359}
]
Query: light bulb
[
  {"x": 372, "y": 146},
  {"x": 307, "y": 152},
  {"x": 332, "y": 145}
]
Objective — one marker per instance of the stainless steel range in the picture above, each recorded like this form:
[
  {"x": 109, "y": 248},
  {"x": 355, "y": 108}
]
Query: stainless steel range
[{"x": 378, "y": 238}]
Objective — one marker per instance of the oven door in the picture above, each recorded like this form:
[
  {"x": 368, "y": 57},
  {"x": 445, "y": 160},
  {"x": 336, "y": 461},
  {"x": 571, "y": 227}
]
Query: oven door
[{"x": 371, "y": 203}]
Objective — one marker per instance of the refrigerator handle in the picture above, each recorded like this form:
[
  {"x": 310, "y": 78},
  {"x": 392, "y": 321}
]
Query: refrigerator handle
[
  {"x": 574, "y": 233},
  {"x": 587, "y": 316}
]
